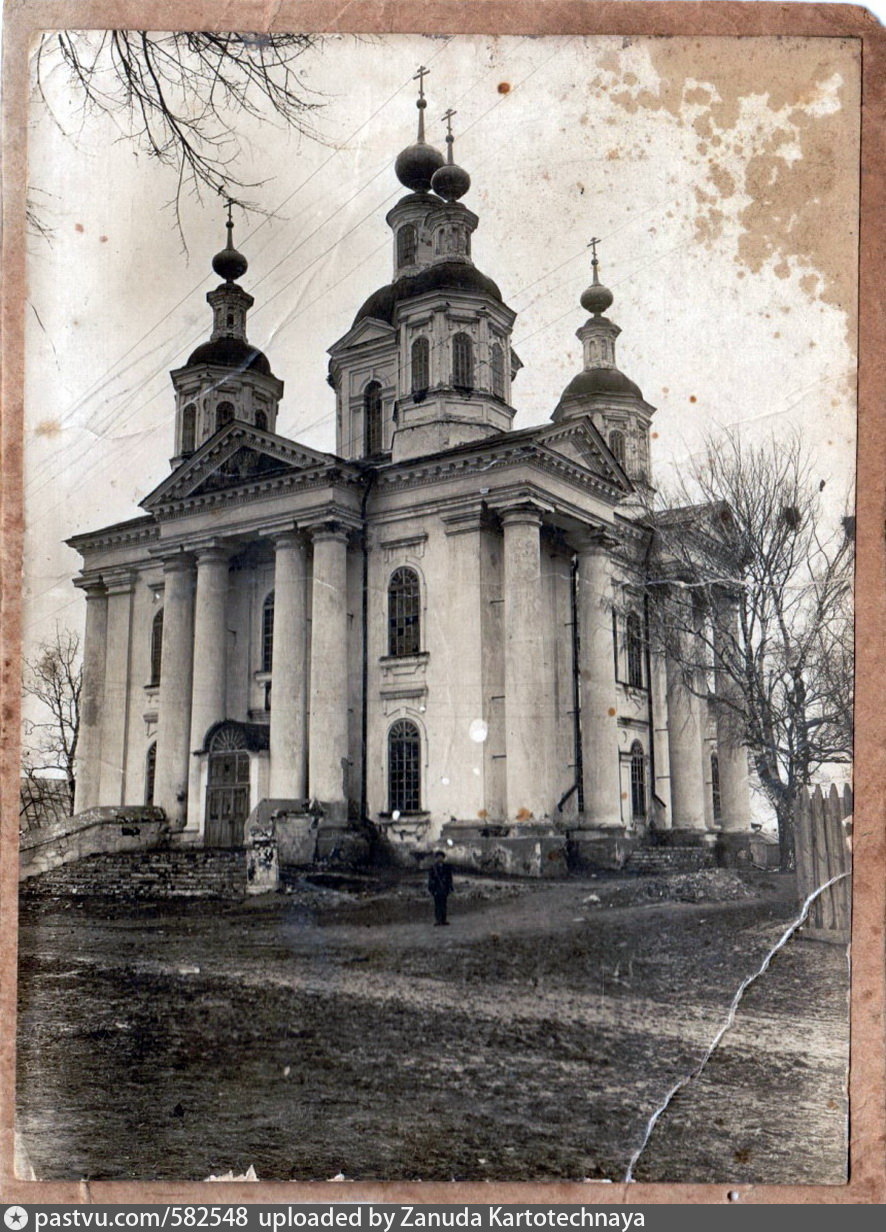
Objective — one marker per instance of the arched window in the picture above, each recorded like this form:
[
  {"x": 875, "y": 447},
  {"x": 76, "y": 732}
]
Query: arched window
[
  {"x": 261, "y": 420},
  {"x": 407, "y": 245},
  {"x": 156, "y": 647},
  {"x": 404, "y": 768},
  {"x": 224, "y": 414},
  {"x": 267, "y": 634},
  {"x": 150, "y": 773},
  {"x": 462, "y": 362},
  {"x": 421, "y": 365},
  {"x": 189, "y": 428},
  {"x": 440, "y": 240},
  {"x": 617, "y": 446},
  {"x": 404, "y": 610},
  {"x": 372, "y": 421},
  {"x": 498, "y": 370},
  {"x": 638, "y": 781},
  {"x": 634, "y": 648},
  {"x": 715, "y": 787}
]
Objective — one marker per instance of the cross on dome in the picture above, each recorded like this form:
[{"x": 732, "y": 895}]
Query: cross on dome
[
  {"x": 597, "y": 298},
  {"x": 417, "y": 163},
  {"x": 229, "y": 263},
  {"x": 450, "y": 182}
]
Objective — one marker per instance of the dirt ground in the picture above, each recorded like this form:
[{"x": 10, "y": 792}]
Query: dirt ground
[{"x": 332, "y": 1031}]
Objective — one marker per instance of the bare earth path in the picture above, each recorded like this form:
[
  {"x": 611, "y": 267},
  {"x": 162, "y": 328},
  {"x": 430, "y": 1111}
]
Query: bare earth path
[{"x": 324, "y": 1033}]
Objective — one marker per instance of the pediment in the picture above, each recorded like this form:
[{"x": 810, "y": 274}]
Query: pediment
[
  {"x": 235, "y": 455},
  {"x": 364, "y": 332},
  {"x": 580, "y": 442}
]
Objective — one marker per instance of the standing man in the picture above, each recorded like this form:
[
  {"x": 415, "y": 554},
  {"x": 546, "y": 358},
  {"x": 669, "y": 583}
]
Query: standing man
[{"x": 440, "y": 886}]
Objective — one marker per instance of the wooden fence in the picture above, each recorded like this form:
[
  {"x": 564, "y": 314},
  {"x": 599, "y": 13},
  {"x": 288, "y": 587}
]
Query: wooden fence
[{"x": 822, "y": 841}]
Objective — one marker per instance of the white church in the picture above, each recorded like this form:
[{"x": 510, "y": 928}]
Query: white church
[{"x": 436, "y": 633}]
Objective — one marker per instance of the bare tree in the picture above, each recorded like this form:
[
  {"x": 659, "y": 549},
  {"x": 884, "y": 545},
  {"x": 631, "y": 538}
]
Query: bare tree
[
  {"x": 52, "y": 678},
  {"x": 752, "y": 596},
  {"x": 173, "y": 94}
]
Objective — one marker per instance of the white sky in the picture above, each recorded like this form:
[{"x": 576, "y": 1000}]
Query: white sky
[{"x": 578, "y": 146}]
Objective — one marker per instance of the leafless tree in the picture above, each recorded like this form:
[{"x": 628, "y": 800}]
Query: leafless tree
[
  {"x": 174, "y": 94},
  {"x": 752, "y": 596},
  {"x": 52, "y": 678}
]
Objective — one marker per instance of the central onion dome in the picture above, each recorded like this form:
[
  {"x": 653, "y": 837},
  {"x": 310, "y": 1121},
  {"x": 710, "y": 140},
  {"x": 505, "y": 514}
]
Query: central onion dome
[
  {"x": 415, "y": 166},
  {"x": 451, "y": 181},
  {"x": 229, "y": 263}
]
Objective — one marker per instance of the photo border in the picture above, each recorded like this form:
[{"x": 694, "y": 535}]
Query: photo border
[{"x": 867, "y": 1082}]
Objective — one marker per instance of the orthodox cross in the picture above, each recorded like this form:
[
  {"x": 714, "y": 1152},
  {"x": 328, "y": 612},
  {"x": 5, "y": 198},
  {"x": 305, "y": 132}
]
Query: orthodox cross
[
  {"x": 420, "y": 102},
  {"x": 420, "y": 78},
  {"x": 447, "y": 117}
]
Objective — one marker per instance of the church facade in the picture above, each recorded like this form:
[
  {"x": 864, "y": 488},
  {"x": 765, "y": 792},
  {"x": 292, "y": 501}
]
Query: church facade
[{"x": 438, "y": 629}]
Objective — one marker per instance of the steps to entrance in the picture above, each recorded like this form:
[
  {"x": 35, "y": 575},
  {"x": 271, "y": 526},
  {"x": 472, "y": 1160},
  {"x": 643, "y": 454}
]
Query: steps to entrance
[
  {"x": 669, "y": 860},
  {"x": 174, "y": 873}
]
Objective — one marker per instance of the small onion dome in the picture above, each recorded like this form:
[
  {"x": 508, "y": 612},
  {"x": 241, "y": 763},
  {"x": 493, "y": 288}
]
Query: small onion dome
[
  {"x": 597, "y": 298},
  {"x": 450, "y": 182},
  {"x": 229, "y": 263},
  {"x": 415, "y": 166}
]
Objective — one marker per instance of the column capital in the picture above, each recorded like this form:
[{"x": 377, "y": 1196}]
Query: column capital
[
  {"x": 592, "y": 540},
  {"x": 118, "y": 582},
  {"x": 212, "y": 550},
  {"x": 93, "y": 587},
  {"x": 181, "y": 562},
  {"x": 463, "y": 521},
  {"x": 328, "y": 531},
  {"x": 526, "y": 513},
  {"x": 289, "y": 539}
]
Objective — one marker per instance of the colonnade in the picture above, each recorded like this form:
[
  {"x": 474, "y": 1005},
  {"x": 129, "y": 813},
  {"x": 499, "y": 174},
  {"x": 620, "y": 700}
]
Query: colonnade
[
  {"x": 525, "y": 684},
  {"x": 309, "y": 756},
  {"x": 193, "y": 668}
]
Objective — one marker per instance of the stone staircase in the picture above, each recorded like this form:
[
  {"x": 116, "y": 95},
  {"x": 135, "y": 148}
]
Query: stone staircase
[
  {"x": 172, "y": 873},
  {"x": 669, "y": 860}
]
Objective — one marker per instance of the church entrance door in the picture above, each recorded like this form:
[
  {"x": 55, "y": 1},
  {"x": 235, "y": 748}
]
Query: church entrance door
[{"x": 227, "y": 798}]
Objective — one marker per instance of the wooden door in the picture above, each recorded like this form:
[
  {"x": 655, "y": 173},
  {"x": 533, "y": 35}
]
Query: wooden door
[{"x": 227, "y": 798}]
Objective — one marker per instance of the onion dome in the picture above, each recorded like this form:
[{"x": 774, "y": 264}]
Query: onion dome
[
  {"x": 415, "y": 166},
  {"x": 451, "y": 181},
  {"x": 597, "y": 298},
  {"x": 229, "y": 263}
]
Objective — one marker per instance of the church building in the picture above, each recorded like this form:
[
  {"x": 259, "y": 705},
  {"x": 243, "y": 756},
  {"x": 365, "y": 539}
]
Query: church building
[{"x": 437, "y": 632}]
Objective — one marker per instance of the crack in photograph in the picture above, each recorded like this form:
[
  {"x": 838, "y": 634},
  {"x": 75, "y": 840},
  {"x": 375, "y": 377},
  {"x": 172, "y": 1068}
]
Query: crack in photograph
[{"x": 437, "y": 686}]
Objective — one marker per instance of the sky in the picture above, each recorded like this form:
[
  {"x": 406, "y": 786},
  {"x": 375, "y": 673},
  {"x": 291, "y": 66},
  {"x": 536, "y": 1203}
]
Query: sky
[{"x": 721, "y": 178}]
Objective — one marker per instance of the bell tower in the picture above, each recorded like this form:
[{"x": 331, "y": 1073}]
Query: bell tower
[
  {"x": 602, "y": 392},
  {"x": 225, "y": 378},
  {"x": 427, "y": 364}
]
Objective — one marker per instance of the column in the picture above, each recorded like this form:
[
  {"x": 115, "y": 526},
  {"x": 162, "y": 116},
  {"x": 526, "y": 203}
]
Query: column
[
  {"x": 527, "y": 690},
  {"x": 89, "y": 740},
  {"x": 735, "y": 791},
  {"x": 176, "y": 671},
  {"x": 115, "y": 700},
  {"x": 328, "y": 737},
  {"x": 208, "y": 694},
  {"x": 289, "y": 692},
  {"x": 685, "y": 736},
  {"x": 599, "y": 710},
  {"x": 463, "y": 748}
]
